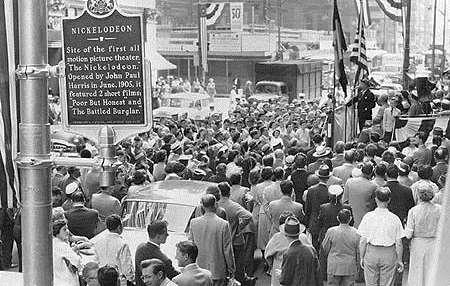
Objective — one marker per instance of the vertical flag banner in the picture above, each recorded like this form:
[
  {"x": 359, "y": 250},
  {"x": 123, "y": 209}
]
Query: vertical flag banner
[
  {"x": 9, "y": 184},
  {"x": 339, "y": 48},
  {"x": 236, "y": 16},
  {"x": 358, "y": 54},
  {"x": 203, "y": 36}
]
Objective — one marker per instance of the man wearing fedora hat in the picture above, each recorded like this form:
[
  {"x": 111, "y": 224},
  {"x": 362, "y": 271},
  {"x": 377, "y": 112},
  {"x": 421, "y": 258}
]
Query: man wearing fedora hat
[
  {"x": 317, "y": 195},
  {"x": 321, "y": 153},
  {"x": 300, "y": 265}
]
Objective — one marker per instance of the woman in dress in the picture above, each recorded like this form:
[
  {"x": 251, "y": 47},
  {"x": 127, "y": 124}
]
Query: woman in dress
[
  {"x": 66, "y": 260},
  {"x": 277, "y": 246},
  {"x": 421, "y": 228}
]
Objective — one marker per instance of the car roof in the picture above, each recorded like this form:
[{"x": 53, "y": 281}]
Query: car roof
[
  {"x": 278, "y": 83},
  {"x": 180, "y": 192},
  {"x": 187, "y": 95}
]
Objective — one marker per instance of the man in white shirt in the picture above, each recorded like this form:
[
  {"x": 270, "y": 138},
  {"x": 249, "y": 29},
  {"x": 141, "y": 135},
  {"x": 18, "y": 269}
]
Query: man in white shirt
[
  {"x": 154, "y": 273},
  {"x": 112, "y": 249},
  {"x": 381, "y": 242}
]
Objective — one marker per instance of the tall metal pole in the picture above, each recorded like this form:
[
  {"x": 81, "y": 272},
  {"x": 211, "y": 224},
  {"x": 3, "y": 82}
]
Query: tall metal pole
[
  {"x": 433, "y": 48},
  {"x": 279, "y": 30},
  {"x": 443, "y": 39},
  {"x": 407, "y": 35},
  {"x": 34, "y": 157}
]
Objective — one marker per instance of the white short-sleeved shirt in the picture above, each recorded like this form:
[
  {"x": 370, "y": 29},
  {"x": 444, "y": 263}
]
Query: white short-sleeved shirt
[{"x": 381, "y": 227}]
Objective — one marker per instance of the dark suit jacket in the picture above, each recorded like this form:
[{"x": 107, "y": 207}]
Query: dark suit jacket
[
  {"x": 317, "y": 195},
  {"x": 401, "y": 200},
  {"x": 328, "y": 217},
  {"x": 146, "y": 251},
  {"x": 299, "y": 178},
  {"x": 82, "y": 221},
  {"x": 300, "y": 266}
]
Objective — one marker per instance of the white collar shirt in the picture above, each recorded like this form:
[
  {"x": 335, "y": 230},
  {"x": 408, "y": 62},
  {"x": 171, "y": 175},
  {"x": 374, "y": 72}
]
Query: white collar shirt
[
  {"x": 112, "y": 249},
  {"x": 381, "y": 227},
  {"x": 167, "y": 282}
]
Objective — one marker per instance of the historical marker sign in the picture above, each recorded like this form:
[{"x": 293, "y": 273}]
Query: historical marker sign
[{"x": 104, "y": 74}]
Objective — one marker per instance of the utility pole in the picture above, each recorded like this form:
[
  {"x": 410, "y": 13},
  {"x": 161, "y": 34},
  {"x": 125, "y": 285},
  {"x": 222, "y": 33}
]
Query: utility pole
[
  {"x": 280, "y": 56},
  {"x": 443, "y": 40},
  {"x": 407, "y": 33},
  {"x": 433, "y": 48},
  {"x": 34, "y": 132}
]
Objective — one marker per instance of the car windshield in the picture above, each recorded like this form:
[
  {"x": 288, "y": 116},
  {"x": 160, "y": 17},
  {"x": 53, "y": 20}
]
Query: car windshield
[
  {"x": 177, "y": 102},
  {"x": 263, "y": 88},
  {"x": 139, "y": 214}
]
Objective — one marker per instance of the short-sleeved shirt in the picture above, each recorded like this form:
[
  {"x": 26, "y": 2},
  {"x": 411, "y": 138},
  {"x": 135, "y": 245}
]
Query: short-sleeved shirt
[{"x": 381, "y": 227}]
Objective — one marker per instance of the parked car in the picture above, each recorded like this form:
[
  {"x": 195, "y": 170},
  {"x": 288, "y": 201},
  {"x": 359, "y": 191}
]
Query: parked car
[
  {"x": 195, "y": 106},
  {"x": 173, "y": 201},
  {"x": 269, "y": 91}
]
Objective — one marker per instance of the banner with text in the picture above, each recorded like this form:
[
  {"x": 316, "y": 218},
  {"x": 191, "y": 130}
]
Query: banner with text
[{"x": 236, "y": 16}]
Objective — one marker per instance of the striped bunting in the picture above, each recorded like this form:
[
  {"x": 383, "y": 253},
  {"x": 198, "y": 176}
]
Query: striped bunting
[
  {"x": 358, "y": 54},
  {"x": 392, "y": 8},
  {"x": 213, "y": 12},
  {"x": 9, "y": 183},
  {"x": 406, "y": 127}
]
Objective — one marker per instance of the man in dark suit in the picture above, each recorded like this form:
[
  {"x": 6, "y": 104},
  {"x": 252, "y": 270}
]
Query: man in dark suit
[
  {"x": 81, "y": 220},
  {"x": 317, "y": 195},
  {"x": 366, "y": 102},
  {"x": 300, "y": 264},
  {"x": 299, "y": 177},
  {"x": 157, "y": 233},
  {"x": 401, "y": 196}
]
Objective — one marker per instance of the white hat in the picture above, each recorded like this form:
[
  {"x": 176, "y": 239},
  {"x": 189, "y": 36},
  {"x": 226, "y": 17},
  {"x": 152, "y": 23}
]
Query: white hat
[
  {"x": 71, "y": 188},
  {"x": 335, "y": 190}
]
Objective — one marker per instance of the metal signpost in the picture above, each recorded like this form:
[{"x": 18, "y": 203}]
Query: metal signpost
[{"x": 104, "y": 93}]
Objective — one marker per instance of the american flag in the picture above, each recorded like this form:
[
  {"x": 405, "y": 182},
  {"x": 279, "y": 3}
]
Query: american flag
[
  {"x": 208, "y": 13},
  {"x": 9, "y": 184},
  {"x": 339, "y": 48},
  {"x": 358, "y": 54}
]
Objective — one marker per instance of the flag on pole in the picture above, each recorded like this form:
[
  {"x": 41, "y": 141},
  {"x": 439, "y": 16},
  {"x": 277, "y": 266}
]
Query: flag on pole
[
  {"x": 358, "y": 54},
  {"x": 9, "y": 183},
  {"x": 339, "y": 48},
  {"x": 392, "y": 8},
  {"x": 203, "y": 36},
  {"x": 364, "y": 4}
]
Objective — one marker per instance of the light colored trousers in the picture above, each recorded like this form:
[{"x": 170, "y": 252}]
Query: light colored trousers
[{"x": 380, "y": 265}]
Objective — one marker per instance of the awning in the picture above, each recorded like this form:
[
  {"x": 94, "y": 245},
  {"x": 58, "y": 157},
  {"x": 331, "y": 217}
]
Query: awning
[{"x": 157, "y": 62}]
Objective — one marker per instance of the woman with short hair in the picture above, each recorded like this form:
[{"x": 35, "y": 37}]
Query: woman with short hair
[{"x": 421, "y": 228}]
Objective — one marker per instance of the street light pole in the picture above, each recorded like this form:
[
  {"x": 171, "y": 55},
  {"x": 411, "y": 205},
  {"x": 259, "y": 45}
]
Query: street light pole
[
  {"x": 407, "y": 34},
  {"x": 433, "y": 48},
  {"x": 443, "y": 39},
  {"x": 279, "y": 30},
  {"x": 34, "y": 158}
]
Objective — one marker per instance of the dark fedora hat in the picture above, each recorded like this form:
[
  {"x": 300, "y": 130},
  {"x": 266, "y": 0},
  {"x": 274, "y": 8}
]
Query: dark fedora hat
[
  {"x": 323, "y": 172},
  {"x": 291, "y": 227}
]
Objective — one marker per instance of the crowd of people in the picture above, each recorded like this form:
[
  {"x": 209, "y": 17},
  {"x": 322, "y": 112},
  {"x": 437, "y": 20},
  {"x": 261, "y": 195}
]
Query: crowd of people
[{"x": 358, "y": 211}]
